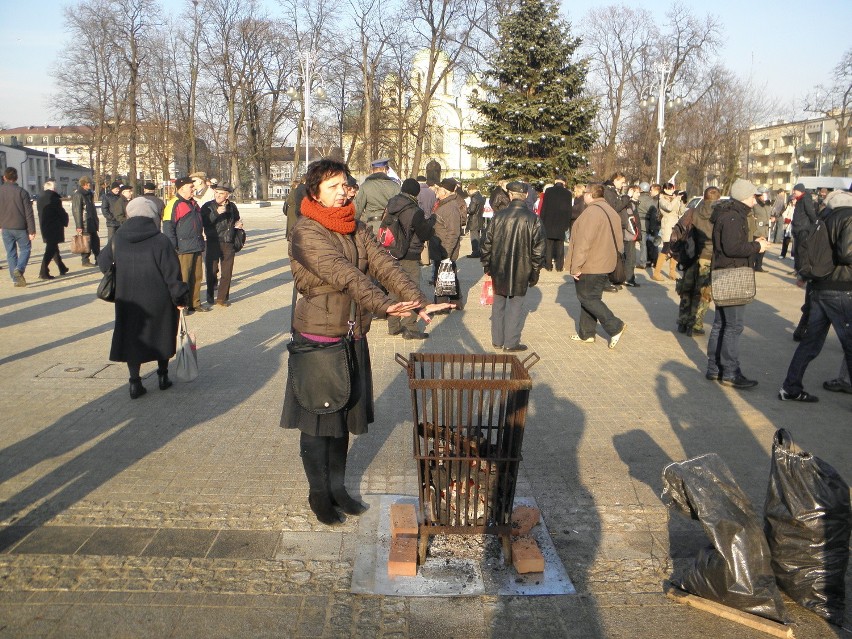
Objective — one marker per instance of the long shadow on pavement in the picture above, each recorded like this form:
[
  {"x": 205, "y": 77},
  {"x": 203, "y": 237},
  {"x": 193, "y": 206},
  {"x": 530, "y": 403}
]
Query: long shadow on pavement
[
  {"x": 120, "y": 431},
  {"x": 553, "y": 431}
]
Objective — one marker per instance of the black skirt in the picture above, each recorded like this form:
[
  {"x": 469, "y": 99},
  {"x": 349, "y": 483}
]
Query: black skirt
[{"x": 355, "y": 419}]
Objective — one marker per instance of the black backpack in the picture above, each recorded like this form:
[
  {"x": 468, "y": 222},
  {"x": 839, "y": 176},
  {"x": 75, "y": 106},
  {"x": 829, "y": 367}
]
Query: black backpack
[
  {"x": 392, "y": 236},
  {"x": 814, "y": 252},
  {"x": 682, "y": 242}
]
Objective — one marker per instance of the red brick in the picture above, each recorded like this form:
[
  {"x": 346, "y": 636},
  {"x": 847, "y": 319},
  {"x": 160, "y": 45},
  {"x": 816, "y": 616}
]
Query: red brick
[
  {"x": 526, "y": 557},
  {"x": 524, "y": 518},
  {"x": 402, "y": 561},
  {"x": 403, "y": 520}
]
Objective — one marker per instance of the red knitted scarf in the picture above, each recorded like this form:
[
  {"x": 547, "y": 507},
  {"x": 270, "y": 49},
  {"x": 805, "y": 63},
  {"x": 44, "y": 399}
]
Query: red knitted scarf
[{"x": 340, "y": 219}]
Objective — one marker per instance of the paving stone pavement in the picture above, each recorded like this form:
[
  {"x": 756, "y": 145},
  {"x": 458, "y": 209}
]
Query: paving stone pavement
[{"x": 183, "y": 513}]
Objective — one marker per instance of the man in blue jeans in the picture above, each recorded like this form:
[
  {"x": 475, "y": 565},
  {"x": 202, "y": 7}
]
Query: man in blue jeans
[
  {"x": 732, "y": 248},
  {"x": 18, "y": 224},
  {"x": 830, "y": 300}
]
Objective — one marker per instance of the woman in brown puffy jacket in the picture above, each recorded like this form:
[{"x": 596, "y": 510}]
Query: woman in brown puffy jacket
[{"x": 334, "y": 260}]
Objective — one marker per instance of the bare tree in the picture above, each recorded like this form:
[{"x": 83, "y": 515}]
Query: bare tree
[
  {"x": 616, "y": 41},
  {"x": 157, "y": 113},
  {"x": 835, "y": 102},
  {"x": 265, "y": 54},
  {"x": 131, "y": 35},
  {"x": 220, "y": 53},
  {"x": 310, "y": 22},
  {"x": 399, "y": 112},
  {"x": 368, "y": 18},
  {"x": 442, "y": 30},
  {"x": 91, "y": 97},
  {"x": 678, "y": 52}
]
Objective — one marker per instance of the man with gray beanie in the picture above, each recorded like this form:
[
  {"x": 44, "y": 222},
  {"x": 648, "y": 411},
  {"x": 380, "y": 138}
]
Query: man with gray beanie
[
  {"x": 732, "y": 248},
  {"x": 415, "y": 230}
]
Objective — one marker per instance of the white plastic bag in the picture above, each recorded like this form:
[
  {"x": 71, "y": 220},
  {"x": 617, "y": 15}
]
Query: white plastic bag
[
  {"x": 186, "y": 359},
  {"x": 445, "y": 284}
]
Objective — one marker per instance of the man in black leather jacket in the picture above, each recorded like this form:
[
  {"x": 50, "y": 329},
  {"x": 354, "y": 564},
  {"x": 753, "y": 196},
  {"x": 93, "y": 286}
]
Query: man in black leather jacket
[
  {"x": 513, "y": 255},
  {"x": 220, "y": 217}
]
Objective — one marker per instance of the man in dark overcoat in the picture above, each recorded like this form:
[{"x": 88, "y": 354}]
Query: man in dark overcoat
[
  {"x": 556, "y": 218},
  {"x": 512, "y": 254},
  {"x": 52, "y": 220},
  {"x": 474, "y": 218},
  {"x": 86, "y": 218}
]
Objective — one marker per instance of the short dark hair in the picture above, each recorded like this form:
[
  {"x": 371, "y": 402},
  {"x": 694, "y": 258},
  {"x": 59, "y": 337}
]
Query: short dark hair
[
  {"x": 321, "y": 170},
  {"x": 712, "y": 193},
  {"x": 595, "y": 190},
  {"x": 11, "y": 174},
  {"x": 616, "y": 175}
]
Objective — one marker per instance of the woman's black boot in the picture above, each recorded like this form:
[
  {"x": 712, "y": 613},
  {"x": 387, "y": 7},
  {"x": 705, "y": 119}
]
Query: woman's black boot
[
  {"x": 136, "y": 388},
  {"x": 314, "y": 452},
  {"x": 338, "y": 449},
  {"x": 163, "y": 379}
]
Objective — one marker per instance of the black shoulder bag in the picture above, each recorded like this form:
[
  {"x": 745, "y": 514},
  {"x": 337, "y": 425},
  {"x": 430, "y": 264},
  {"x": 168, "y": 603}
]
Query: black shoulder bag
[
  {"x": 323, "y": 376},
  {"x": 619, "y": 275},
  {"x": 106, "y": 289}
]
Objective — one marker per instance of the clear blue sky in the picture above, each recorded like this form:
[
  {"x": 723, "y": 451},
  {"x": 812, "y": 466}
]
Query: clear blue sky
[{"x": 786, "y": 46}]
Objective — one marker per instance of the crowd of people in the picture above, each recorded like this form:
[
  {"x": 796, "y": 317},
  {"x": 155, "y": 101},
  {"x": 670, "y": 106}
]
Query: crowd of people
[{"x": 357, "y": 252}]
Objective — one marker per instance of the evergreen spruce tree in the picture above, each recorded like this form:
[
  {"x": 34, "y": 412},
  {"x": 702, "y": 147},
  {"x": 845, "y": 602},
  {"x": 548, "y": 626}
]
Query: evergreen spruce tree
[{"x": 536, "y": 120}]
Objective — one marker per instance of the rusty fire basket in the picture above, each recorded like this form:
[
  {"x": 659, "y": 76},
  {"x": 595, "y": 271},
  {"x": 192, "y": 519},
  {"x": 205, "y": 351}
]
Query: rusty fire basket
[{"x": 469, "y": 413}]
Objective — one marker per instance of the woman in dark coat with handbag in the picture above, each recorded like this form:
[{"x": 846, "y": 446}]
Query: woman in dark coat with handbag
[
  {"x": 336, "y": 263},
  {"x": 52, "y": 220},
  {"x": 148, "y": 294}
]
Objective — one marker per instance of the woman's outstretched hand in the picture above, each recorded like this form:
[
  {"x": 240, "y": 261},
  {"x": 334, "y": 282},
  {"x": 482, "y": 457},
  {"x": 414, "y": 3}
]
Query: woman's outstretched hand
[
  {"x": 404, "y": 309},
  {"x": 433, "y": 308}
]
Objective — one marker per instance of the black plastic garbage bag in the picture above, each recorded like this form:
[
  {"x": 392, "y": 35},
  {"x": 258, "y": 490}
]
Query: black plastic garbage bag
[
  {"x": 735, "y": 570},
  {"x": 807, "y": 521}
]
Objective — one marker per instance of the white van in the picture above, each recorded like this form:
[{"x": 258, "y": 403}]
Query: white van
[{"x": 825, "y": 182}]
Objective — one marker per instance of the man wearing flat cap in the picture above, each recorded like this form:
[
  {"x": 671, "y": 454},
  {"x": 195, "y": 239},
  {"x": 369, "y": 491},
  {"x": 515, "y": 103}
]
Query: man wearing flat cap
[
  {"x": 513, "y": 255},
  {"x": 202, "y": 192},
  {"x": 183, "y": 225},
  {"x": 374, "y": 194},
  {"x": 108, "y": 201},
  {"x": 220, "y": 218},
  {"x": 732, "y": 248},
  {"x": 149, "y": 192},
  {"x": 446, "y": 241},
  {"x": 119, "y": 207}
]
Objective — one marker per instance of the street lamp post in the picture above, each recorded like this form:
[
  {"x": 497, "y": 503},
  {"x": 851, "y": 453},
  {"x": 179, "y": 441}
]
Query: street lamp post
[
  {"x": 664, "y": 86},
  {"x": 458, "y": 111},
  {"x": 193, "y": 87},
  {"x": 307, "y": 62}
]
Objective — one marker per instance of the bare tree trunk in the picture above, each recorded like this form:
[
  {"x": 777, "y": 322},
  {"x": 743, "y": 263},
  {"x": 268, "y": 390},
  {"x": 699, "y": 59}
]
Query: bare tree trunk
[{"x": 232, "y": 147}]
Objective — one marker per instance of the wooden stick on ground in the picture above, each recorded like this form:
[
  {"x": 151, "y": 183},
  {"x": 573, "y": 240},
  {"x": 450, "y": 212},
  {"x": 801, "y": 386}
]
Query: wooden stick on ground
[{"x": 732, "y": 614}]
